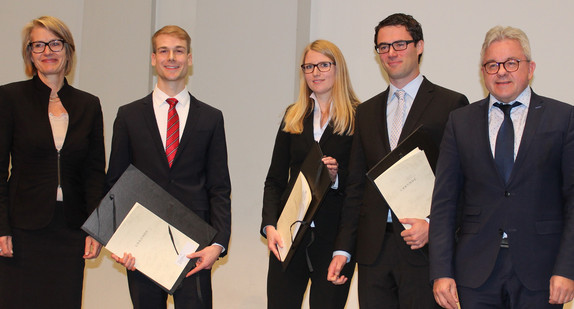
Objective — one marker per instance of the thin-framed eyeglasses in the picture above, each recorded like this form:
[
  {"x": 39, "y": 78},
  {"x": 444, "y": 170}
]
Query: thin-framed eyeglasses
[
  {"x": 39, "y": 47},
  {"x": 384, "y": 48},
  {"x": 510, "y": 65},
  {"x": 321, "y": 66}
]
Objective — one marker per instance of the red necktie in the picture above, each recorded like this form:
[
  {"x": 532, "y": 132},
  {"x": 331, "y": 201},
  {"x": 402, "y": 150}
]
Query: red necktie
[{"x": 172, "y": 137}]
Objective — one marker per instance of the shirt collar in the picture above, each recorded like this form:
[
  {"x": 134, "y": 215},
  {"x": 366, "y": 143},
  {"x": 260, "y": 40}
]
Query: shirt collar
[
  {"x": 523, "y": 97},
  {"x": 411, "y": 88},
  {"x": 318, "y": 108},
  {"x": 159, "y": 97}
]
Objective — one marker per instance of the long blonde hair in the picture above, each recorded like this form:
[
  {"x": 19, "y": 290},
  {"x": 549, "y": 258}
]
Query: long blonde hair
[{"x": 344, "y": 99}]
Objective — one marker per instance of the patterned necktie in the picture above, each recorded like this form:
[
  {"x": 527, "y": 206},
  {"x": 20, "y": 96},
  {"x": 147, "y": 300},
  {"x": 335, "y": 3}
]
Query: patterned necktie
[
  {"x": 172, "y": 137},
  {"x": 504, "y": 151},
  {"x": 397, "y": 125}
]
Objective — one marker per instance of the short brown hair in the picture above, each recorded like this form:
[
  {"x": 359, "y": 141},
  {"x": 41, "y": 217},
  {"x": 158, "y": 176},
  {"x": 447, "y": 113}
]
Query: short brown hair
[
  {"x": 175, "y": 31},
  {"x": 58, "y": 28}
]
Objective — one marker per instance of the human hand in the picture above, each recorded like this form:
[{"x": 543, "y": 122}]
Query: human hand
[
  {"x": 418, "y": 235},
  {"x": 273, "y": 240},
  {"x": 561, "y": 290},
  {"x": 128, "y": 261},
  {"x": 92, "y": 248},
  {"x": 334, "y": 272},
  {"x": 332, "y": 166},
  {"x": 205, "y": 258},
  {"x": 445, "y": 294},
  {"x": 6, "y": 249}
]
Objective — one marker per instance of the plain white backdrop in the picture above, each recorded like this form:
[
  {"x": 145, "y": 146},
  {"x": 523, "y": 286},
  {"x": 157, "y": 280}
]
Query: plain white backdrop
[{"x": 246, "y": 56}]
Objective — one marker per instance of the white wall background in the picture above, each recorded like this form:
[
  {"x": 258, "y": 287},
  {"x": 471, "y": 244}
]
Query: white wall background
[{"x": 245, "y": 57}]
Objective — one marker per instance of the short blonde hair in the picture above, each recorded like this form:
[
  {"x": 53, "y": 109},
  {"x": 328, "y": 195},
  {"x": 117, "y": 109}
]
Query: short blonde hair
[
  {"x": 175, "y": 31},
  {"x": 499, "y": 33},
  {"x": 57, "y": 27},
  {"x": 344, "y": 99}
]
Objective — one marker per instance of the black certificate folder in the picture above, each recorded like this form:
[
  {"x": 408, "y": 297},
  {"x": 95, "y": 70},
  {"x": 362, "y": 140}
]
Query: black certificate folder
[
  {"x": 420, "y": 138},
  {"x": 137, "y": 207},
  {"x": 318, "y": 182}
]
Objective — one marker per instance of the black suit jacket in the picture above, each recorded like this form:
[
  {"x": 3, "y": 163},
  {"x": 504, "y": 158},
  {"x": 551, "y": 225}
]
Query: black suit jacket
[
  {"x": 534, "y": 208},
  {"x": 289, "y": 153},
  {"x": 28, "y": 197},
  {"x": 199, "y": 176},
  {"x": 365, "y": 211}
]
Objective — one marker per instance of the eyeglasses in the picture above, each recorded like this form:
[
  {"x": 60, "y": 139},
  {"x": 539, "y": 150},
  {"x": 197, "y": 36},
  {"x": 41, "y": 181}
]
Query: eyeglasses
[
  {"x": 384, "y": 48},
  {"x": 39, "y": 47},
  {"x": 510, "y": 65},
  {"x": 321, "y": 66}
]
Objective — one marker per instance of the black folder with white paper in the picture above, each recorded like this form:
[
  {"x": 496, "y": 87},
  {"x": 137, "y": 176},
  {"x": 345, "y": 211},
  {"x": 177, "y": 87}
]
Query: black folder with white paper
[
  {"x": 405, "y": 177},
  {"x": 304, "y": 200},
  {"x": 139, "y": 217}
]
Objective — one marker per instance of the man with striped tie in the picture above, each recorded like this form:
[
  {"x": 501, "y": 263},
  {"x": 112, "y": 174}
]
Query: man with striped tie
[{"x": 179, "y": 142}]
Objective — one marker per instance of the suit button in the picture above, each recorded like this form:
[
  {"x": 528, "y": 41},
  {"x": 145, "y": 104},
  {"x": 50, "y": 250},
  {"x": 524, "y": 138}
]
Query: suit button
[{"x": 506, "y": 193}]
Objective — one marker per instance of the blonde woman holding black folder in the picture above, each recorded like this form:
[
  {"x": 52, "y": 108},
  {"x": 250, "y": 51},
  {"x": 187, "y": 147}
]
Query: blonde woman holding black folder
[{"x": 323, "y": 113}]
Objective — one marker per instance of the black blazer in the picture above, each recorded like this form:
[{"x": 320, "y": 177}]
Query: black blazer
[
  {"x": 199, "y": 176},
  {"x": 289, "y": 153},
  {"x": 365, "y": 211},
  {"x": 535, "y": 207},
  {"x": 28, "y": 198}
]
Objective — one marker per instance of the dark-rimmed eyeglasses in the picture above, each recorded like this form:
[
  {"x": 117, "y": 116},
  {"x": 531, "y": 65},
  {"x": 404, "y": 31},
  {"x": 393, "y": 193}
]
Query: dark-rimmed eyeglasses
[
  {"x": 384, "y": 48},
  {"x": 510, "y": 65},
  {"x": 39, "y": 47},
  {"x": 321, "y": 66}
]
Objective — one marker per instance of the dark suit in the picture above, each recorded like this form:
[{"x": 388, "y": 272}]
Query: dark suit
[
  {"x": 286, "y": 289},
  {"x": 28, "y": 208},
  {"x": 363, "y": 230},
  {"x": 198, "y": 178},
  {"x": 533, "y": 208}
]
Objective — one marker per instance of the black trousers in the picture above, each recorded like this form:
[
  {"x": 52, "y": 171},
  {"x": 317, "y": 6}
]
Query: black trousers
[
  {"x": 194, "y": 292},
  {"x": 286, "y": 289},
  {"x": 47, "y": 270},
  {"x": 392, "y": 282},
  {"x": 503, "y": 290}
]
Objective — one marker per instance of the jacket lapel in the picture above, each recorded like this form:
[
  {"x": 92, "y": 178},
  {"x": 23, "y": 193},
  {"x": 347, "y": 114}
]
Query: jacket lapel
[
  {"x": 151, "y": 124},
  {"x": 382, "y": 129},
  {"x": 535, "y": 112},
  {"x": 190, "y": 124},
  {"x": 326, "y": 136},
  {"x": 422, "y": 100},
  {"x": 482, "y": 137},
  {"x": 308, "y": 129}
]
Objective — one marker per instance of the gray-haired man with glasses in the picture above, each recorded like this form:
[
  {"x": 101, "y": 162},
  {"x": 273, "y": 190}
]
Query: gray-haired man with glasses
[
  {"x": 393, "y": 263},
  {"x": 506, "y": 165}
]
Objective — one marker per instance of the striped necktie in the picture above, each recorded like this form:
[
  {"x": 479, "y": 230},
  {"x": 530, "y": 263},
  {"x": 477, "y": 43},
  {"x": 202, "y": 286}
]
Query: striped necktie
[
  {"x": 397, "y": 124},
  {"x": 172, "y": 137}
]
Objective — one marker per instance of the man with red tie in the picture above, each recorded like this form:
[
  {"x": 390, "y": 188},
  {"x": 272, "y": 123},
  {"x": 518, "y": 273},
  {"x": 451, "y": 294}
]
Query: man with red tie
[{"x": 179, "y": 142}]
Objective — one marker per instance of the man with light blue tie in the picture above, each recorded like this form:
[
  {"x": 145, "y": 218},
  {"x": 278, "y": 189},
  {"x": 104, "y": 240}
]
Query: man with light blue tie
[
  {"x": 506, "y": 167},
  {"x": 392, "y": 261}
]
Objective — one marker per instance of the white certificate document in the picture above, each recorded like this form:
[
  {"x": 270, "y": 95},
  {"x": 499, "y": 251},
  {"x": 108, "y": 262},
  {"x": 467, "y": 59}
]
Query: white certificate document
[
  {"x": 160, "y": 249},
  {"x": 295, "y": 209},
  {"x": 407, "y": 186}
]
